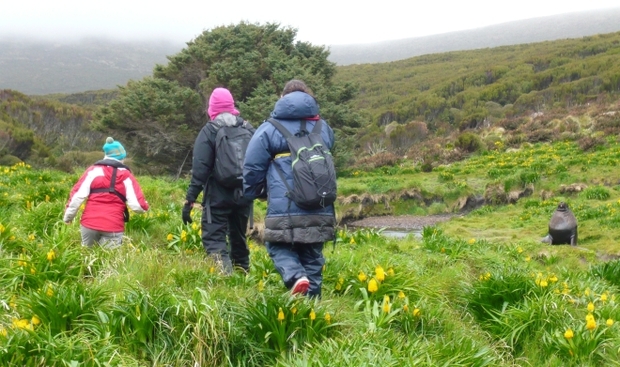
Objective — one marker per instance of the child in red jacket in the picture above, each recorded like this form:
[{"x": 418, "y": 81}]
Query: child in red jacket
[{"x": 109, "y": 187}]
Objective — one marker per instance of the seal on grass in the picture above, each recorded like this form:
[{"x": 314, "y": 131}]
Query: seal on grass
[{"x": 562, "y": 227}]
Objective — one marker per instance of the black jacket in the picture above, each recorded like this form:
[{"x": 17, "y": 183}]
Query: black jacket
[{"x": 203, "y": 163}]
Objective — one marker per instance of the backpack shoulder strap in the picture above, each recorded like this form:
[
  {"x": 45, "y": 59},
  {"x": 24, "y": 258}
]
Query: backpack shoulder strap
[
  {"x": 287, "y": 134},
  {"x": 111, "y": 189},
  {"x": 317, "y": 127}
]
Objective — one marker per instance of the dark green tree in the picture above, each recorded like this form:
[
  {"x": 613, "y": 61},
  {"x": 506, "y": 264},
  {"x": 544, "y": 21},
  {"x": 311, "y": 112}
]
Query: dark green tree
[{"x": 160, "y": 116}]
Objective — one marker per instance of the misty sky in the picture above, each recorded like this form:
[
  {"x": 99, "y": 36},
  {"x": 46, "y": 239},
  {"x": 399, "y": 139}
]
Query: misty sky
[{"x": 317, "y": 21}]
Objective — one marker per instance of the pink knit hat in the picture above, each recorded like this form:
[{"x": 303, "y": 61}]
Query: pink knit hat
[{"x": 221, "y": 101}]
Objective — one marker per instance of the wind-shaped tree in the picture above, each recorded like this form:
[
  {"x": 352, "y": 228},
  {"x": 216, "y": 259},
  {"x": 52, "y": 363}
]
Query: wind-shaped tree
[{"x": 158, "y": 117}]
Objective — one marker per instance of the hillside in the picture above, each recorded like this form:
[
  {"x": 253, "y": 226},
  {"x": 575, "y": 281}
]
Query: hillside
[
  {"x": 37, "y": 67},
  {"x": 43, "y": 67},
  {"x": 572, "y": 25}
]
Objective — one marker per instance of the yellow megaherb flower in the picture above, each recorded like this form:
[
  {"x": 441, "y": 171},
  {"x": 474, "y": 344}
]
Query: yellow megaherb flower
[
  {"x": 328, "y": 318},
  {"x": 261, "y": 285},
  {"x": 35, "y": 320},
  {"x": 609, "y": 322},
  {"x": 280, "y": 315},
  {"x": 212, "y": 270},
  {"x": 406, "y": 307},
  {"x": 386, "y": 304},
  {"x": 51, "y": 255},
  {"x": 390, "y": 272},
  {"x": 553, "y": 279},
  {"x": 543, "y": 283},
  {"x": 194, "y": 226},
  {"x": 312, "y": 315},
  {"x": 380, "y": 273},
  {"x": 169, "y": 237},
  {"x": 401, "y": 295},
  {"x": 373, "y": 286},
  {"x": 590, "y": 307},
  {"x": 416, "y": 312},
  {"x": 183, "y": 236},
  {"x": 568, "y": 334},
  {"x": 3, "y": 331},
  {"x": 604, "y": 297},
  {"x": 294, "y": 310},
  {"x": 471, "y": 241},
  {"x": 47, "y": 198},
  {"x": 591, "y": 324},
  {"x": 2, "y": 228},
  {"x": 32, "y": 271},
  {"x": 352, "y": 241},
  {"x": 361, "y": 276},
  {"x": 31, "y": 237},
  {"x": 50, "y": 291}
]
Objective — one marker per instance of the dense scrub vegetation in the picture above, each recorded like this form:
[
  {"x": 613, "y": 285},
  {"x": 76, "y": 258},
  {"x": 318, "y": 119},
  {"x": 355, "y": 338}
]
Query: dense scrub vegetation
[{"x": 429, "y": 110}]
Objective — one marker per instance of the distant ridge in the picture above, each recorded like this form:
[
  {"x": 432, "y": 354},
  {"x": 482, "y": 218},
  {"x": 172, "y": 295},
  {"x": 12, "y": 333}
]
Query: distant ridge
[
  {"x": 570, "y": 25},
  {"x": 36, "y": 67},
  {"x": 43, "y": 67}
]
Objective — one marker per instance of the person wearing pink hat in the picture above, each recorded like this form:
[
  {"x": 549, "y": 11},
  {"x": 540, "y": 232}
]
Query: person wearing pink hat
[{"x": 225, "y": 211}]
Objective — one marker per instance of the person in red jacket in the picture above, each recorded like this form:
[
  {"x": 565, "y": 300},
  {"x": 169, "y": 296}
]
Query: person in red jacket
[{"x": 110, "y": 188}]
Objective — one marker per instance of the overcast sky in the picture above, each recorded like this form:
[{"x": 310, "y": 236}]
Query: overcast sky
[{"x": 319, "y": 22}]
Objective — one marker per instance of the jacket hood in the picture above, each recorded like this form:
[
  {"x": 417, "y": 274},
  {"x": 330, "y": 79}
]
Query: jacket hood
[{"x": 294, "y": 106}]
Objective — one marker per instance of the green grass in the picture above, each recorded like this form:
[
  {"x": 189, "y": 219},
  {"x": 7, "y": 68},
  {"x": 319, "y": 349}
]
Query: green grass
[{"x": 478, "y": 290}]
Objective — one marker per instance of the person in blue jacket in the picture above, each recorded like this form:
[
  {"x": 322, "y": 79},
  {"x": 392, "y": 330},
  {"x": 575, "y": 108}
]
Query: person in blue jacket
[{"x": 294, "y": 237}]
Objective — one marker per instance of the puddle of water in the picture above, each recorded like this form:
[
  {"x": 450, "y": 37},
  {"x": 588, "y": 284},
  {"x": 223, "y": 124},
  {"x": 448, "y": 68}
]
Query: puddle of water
[{"x": 398, "y": 233}]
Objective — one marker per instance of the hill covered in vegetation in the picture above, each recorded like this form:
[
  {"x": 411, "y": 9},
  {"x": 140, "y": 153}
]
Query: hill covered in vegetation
[{"x": 555, "y": 27}]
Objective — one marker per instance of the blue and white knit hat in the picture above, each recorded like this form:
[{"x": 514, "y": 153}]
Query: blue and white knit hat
[{"x": 114, "y": 149}]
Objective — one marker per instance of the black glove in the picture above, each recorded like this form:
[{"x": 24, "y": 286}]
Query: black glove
[
  {"x": 187, "y": 212},
  {"x": 262, "y": 191}
]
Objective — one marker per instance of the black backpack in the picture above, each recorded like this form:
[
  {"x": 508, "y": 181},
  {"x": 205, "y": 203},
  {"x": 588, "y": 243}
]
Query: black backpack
[
  {"x": 231, "y": 142},
  {"x": 314, "y": 174}
]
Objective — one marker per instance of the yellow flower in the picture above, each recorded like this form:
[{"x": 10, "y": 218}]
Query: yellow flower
[
  {"x": 361, "y": 276},
  {"x": 183, "y": 236},
  {"x": 390, "y": 272},
  {"x": 609, "y": 322},
  {"x": 373, "y": 286},
  {"x": 338, "y": 286},
  {"x": 406, "y": 308},
  {"x": 169, "y": 237},
  {"x": 35, "y": 320},
  {"x": 261, "y": 285},
  {"x": 51, "y": 255},
  {"x": 194, "y": 226},
  {"x": 471, "y": 241},
  {"x": 443, "y": 250},
  {"x": 591, "y": 324},
  {"x": 380, "y": 273},
  {"x": 590, "y": 307},
  {"x": 31, "y": 237},
  {"x": 47, "y": 198},
  {"x": 312, "y": 315},
  {"x": 280, "y": 315},
  {"x": 212, "y": 270},
  {"x": 328, "y": 317},
  {"x": 587, "y": 292},
  {"x": 32, "y": 271},
  {"x": 416, "y": 312},
  {"x": 50, "y": 291},
  {"x": 568, "y": 334},
  {"x": 386, "y": 304},
  {"x": 519, "y": 249},
  {"x": 527, "y": 258},
  {"x": 543, "y": 283},
  {"x": 352, "y": 241},
  {"x": 401, "y": 295},
  {"x": 294, "y": 310},
  {"x": 604, "y": 297},
  {"x": 553, "y": 279},
  {"x": 3, "y": 331}
]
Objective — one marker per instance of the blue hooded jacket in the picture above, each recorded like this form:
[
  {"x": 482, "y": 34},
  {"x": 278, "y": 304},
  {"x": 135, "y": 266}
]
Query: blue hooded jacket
[{"x": 285, "y": 222}]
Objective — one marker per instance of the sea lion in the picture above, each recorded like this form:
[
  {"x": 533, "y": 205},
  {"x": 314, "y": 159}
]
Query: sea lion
[{"x": 562, "y": 227}]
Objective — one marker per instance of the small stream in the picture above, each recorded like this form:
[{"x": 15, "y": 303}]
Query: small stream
[{"x": 402, "y": 233}]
